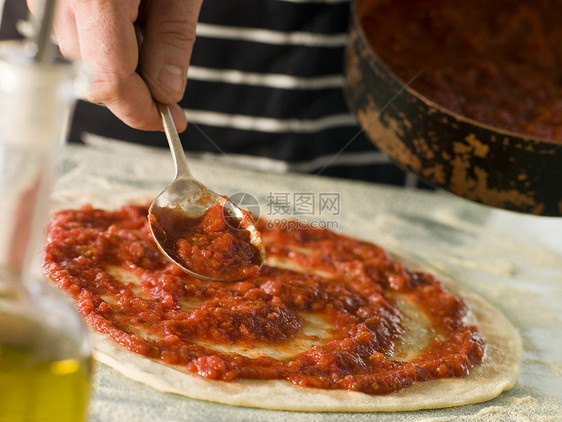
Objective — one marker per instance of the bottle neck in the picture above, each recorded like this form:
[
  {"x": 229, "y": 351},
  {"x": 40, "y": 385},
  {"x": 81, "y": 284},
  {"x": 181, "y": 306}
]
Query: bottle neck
[
  {"x": 24, "y": 185},
  {"x": 34, "y": 102}
]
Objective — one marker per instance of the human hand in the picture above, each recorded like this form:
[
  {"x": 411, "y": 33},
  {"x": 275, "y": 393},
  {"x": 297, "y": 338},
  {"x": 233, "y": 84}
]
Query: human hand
[{"x": 127, "y": 80}]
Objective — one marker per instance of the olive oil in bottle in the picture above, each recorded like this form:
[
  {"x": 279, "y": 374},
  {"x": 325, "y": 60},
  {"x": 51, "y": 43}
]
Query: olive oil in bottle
[{"x": 44, "y": 373}]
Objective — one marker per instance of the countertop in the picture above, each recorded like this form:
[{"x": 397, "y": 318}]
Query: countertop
[{"x": 512, "y": 260}]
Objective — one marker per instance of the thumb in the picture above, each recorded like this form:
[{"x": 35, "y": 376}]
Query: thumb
[{"x": 169, "y": 34}]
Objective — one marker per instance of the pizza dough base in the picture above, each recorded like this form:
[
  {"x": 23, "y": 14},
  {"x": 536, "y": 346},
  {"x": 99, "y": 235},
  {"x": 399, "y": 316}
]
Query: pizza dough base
[{"x": 498, "y": 371}]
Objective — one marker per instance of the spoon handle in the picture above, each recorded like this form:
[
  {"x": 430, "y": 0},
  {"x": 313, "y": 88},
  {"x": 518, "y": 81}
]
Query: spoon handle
[{"x": 174, "y": 141}]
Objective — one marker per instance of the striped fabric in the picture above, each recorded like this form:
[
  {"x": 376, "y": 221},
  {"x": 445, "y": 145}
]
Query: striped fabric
[{"x": 265, "y": 88}]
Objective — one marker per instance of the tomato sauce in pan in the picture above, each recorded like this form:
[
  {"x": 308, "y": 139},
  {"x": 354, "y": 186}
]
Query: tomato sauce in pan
[{"x": 497, "y": 62}]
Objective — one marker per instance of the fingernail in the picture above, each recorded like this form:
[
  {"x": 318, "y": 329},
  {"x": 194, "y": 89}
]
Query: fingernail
[{"x": 171, "y": 78}]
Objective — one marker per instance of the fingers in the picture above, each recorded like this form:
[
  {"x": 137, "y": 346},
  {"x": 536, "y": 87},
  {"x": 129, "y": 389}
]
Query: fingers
[
  {"x": 102, "y": 35},
  {"x": 64, "y": 26},
  {"x": 169, "y": 34},
  {"x": 108, "y": 47}
]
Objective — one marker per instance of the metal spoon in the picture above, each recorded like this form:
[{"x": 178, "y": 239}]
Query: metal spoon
[{"x": 186, "y": 198}]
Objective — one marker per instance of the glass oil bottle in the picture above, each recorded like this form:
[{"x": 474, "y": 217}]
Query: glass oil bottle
[{"x": 45, "y": 357}]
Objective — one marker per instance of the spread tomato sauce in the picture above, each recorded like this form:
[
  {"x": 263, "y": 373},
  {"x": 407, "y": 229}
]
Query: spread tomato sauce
[
  {"x": 166, "y": 314},
  {"x": 498, "y": 62},
  {"x": 214, "y": 245}
]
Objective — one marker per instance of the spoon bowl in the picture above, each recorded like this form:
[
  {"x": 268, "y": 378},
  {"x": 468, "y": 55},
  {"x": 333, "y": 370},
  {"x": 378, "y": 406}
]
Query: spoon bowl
[{"x": 184, "y": 206}]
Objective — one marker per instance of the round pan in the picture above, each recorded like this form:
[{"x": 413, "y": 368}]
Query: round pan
[{"x": 480, "y": 163}]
